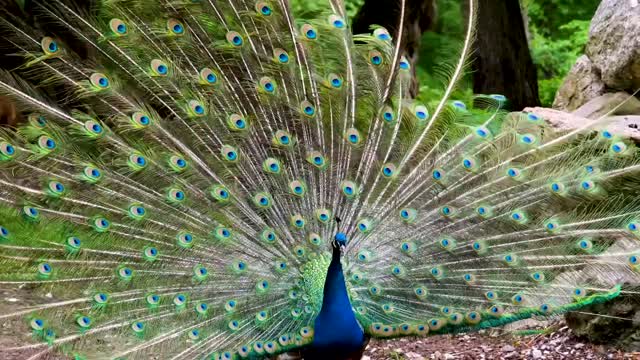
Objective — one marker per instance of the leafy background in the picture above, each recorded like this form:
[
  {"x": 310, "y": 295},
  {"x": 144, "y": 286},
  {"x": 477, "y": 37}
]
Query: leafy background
[{"x": 558, "y": 32}]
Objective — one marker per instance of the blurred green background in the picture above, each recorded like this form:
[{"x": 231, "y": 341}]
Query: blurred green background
[{"x": 558, "y": 31}]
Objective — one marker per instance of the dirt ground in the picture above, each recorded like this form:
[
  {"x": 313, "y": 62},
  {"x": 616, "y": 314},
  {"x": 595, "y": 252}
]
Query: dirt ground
[{"x": 557, "y": 343}]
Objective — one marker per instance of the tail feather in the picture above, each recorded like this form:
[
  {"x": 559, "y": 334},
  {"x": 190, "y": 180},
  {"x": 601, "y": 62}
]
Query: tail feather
[{"x": 175, "y": 188}]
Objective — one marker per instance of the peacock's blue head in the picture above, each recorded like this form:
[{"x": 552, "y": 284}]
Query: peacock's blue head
[{"x": 341, "y": 239}]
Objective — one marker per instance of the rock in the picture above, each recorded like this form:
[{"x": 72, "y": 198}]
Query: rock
[
  {"x": 365, "y": 357},
  {"x": 619, "y": 103},
  {"x": 508, "y": 348},
  {"x": 582, "y": 84},
  {"x": 448, "y": 356},
  {"x": 413, "y": 356},
  {"x": 614, "y": 43},
  {"x": 537, "y": 354},
  {"x": 627, "y": 126}
]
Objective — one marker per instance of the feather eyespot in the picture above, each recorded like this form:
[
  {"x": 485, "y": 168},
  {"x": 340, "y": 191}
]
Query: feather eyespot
[
  {"x": 194, "y": 334},
  {"x": 349, "y": 188},
  {"x": 335, "y": 81},
  {"x": 267, "y": 85},
  {"x": 100, "y": 224},
  {"x": 159, "y": 68},
  {"x": 175, "y": 27},
  {"x": 352, "y": 136},
  {"x": 309, "y": 32},
  {"x": 46, "y": 144},
  {"x": 264, "y": 9},
  {"x": 137, "y": 327},
  {"x": 482, "y": 132},
  {"x": 220, "y": 193},
  {"x": 389, "y": 170},
  {"x": 50, "y": 46},
  {"x": 176, "y": 196},
  {"x": 469, "y": 278},
  {"x": 91, "y": 174},
  {"x": 323, "y": 215},
  {"x": 44, "y": 270},
  {"x": 137, "y": 212},
  {"x": 315, "y": 239},
  {"x": 448, "y": 243},
  {"x": 585, "y": 245},
  {"x": 519, "y": 217},
  {"x": 197, "y": 109},
  {"x": 4, "y": 233},
  {"x": 208, "y": 77},
  {"x": 382, "y": 34},
  {"x": 364, "y": 225},
  {"x": 93, "y": 129},
  {"x": 337, "y": 21},
  {"x": 528, "y": 139},
  {"x": 37, "y": 120},
  {"x": 388, "y": 116},
  {"x": 7, "y": 151},
  {"x": 316, "y": 159},
  {"x": 230, "y": 153},
  {"x": 118, "y": 27},
  {"x": 470, "y": 164},
  {"x": 185, "y": 240},
  {"x": 100, "y": 81},
  {"x": 179, "y": 300},
  {"x": 200, "y": 273},
  {"x": 618, "y": 148},
  {"x": 499, "y": 98},
  {"x": 150, "y": 253},
  {"x": 404, "y": 64},
  {"x": 283, "y": 138},
  {"x": 137, "y": 162},
  {"x": 297, "y": 221},
  {"x": 297, "y": 188},
  {"x": 234, "y": 38},
  {"x": 83, "y": 321},
  {"x": 140, "y": 120},
  {"x": 178, "y": 163},
  {"x": 375, "y": 57},
  {"x": 272, "y": 165},
  {"x": 237, "y": 122},
  {"x": 262, "y": 200},
  {"x": 268, "y": 235},
  {"x": 124, "y": 273},
  {"x": 55, "y": 188},
  {"x": 280, "y": 56},
  {"x": 421, "y": 112},
  {"x": 307, "y": 108}
]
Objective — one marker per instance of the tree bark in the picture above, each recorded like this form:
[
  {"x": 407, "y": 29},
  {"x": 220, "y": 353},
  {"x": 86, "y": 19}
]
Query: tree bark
[
  {"x": 420, "y": 16},
  {"x": 502, "y": 62}
]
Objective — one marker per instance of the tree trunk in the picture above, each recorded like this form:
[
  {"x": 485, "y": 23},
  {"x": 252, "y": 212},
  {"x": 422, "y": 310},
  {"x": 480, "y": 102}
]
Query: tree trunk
[
  {"x": 502, "y": 63},
  {"x": 420, "y": 16}
]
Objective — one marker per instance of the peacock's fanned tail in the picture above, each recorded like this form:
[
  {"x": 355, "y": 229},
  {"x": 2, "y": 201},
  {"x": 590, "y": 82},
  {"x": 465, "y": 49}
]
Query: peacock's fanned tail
[{"x": 173, "y": 188}]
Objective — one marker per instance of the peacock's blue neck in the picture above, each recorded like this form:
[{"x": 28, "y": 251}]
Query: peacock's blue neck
[{"x": 336, "y": 328}]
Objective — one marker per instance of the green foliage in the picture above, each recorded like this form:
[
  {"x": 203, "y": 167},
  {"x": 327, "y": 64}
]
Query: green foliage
[
  {"x": 307, "y": 9},
  {"x": 559, "y": 31}
]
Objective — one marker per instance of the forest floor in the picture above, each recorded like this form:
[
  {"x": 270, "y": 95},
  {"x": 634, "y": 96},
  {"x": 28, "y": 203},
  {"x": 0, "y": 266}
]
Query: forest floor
[{"x": 557, "y": 342}]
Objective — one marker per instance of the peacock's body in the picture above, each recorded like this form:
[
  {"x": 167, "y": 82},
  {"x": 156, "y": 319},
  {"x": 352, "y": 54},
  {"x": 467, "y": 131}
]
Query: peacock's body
[{"x": 214, "y": 178}]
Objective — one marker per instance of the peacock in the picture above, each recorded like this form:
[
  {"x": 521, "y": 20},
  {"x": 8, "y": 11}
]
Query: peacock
[{"x": 218, "y": 179}]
